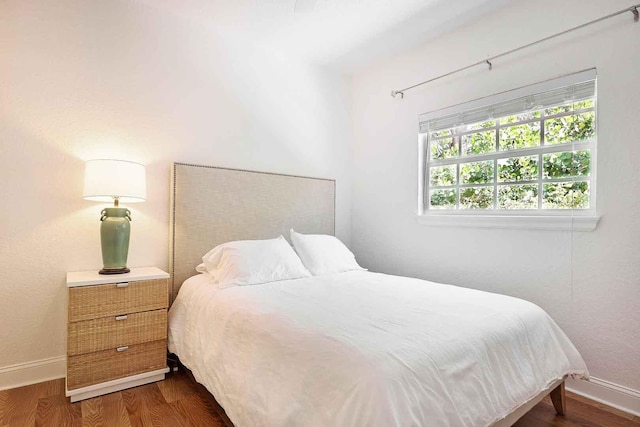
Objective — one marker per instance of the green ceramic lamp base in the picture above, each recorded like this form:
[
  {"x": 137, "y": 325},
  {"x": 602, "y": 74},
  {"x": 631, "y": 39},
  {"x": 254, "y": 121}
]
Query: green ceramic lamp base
[
  {"x": 114, "y": 270},
  {"x": 114, "y": 237}
]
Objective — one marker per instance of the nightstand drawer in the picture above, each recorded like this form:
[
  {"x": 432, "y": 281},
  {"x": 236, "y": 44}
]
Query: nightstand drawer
[
  {"x": 110, "y": 332},
  {"x": 92, "y": 302},
  {"x": 106, "y": 365}
]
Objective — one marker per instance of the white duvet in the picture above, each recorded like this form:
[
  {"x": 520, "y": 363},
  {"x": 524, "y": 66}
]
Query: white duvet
[{"x": 366, "y": 349}]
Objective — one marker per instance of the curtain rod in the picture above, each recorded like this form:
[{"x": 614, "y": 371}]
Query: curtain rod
[{"x": 633, "y": 9}]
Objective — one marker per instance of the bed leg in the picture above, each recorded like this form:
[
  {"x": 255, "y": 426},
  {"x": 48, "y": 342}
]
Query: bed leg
[{"x": 558, "y": 399}]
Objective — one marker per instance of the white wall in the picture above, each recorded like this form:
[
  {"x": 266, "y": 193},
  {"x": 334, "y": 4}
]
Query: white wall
[
  {"x": 588, "y": 282},
  {"x": 119, "y": 79}
]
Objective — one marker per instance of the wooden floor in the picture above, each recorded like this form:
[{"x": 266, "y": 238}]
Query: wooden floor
[{"x": 179, "y": 401}]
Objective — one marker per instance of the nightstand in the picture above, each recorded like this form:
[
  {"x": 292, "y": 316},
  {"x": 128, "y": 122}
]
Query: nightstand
[{"x": 116, "y": 331}]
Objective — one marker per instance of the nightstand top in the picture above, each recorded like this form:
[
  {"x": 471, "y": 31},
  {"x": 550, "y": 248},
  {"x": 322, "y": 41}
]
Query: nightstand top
[{"x": 91, "y": 277}]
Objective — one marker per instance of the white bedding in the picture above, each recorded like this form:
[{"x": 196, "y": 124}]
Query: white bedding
[{"x": 366, "y": 349}]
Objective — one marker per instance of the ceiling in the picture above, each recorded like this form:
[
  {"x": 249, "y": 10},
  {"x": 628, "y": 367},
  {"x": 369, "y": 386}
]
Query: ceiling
[{"x": 346, "y": 34}]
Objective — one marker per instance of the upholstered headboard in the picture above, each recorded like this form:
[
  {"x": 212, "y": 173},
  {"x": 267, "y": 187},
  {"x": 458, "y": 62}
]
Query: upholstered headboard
[{"x": 212, "y": 205}]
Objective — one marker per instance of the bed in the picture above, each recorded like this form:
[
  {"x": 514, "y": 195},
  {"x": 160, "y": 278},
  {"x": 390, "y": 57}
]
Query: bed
[{"x": 351, "y": 349}]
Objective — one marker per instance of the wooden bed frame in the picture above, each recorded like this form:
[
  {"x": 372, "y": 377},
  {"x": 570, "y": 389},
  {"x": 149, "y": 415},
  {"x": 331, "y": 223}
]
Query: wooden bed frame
[
  {"x": 557, "y": 393},
  {"x": 212, "y": 205}
]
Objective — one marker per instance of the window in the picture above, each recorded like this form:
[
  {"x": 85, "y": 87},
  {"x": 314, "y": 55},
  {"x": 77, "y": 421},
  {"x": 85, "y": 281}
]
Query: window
[{"x": 522, "y": 153}]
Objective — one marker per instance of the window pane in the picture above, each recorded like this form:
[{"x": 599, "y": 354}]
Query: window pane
[
  {"x": 580, "y": 105},
  {"x": 558, "y": 110},
  {"x": 518, "y": 196},
  {"x": 572, "y": 128},
  {"x": 521, "y": 136},
  {"x": 439, "y": 133},
  {"x": 528, "y": 115},
  {"x": 476, "y": 198},
  {"x": 476, "y": 172},
  {"x": 479, "y": 143},
  {"x": 518, "y": 169},
  {"x": 442, "y": 175},
  {"x": 442, "y": 199},
  {"x": 478, "y": 126},
  {"x": 567, "y": 164},
  {"x": 566, "y": 195},
  {"x": 443, "y": 149}
]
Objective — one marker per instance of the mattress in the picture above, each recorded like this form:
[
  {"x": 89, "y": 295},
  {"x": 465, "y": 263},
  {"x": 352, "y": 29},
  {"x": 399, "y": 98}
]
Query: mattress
[{"x": 366, "y": 349}]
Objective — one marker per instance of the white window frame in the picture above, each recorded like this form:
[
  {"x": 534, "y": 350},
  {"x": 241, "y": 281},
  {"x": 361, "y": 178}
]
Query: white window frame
[{"x": 546, "y": 219}]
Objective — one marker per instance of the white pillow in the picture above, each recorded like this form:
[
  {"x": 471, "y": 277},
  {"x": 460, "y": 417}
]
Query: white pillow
[
  {"x": 250, "y": 262},
  {"x": 201, "y": 268},
  {"x": 323, "y": 254}
]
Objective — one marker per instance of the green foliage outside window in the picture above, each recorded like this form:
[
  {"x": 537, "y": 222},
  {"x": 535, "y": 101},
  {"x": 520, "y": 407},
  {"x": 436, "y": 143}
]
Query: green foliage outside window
[
  {"x": 573, "y": 125},
  {"x": 443, "y": 199},
  {"x": 482, "y": 125},
  {"x": 479, "y": 143},
  {"x": 476, "y": 198},
  {"x": 566, "y": 195},
  {"x": 521, "y": 136},
  {"x": 520, "y": 117},
  {"x": 443, "y": 175},
  {"x": 439, "y": 133},
  {"x": 518, "y": 196},
  {"x": 573, "y": 128},
  {"x": 581, "y": 105},
  {"x": 476, "y": 172},
  {"x": 567, "y": 164},
  {"x": 518, "y": 169},
  {"x": 444, "y": 149}
]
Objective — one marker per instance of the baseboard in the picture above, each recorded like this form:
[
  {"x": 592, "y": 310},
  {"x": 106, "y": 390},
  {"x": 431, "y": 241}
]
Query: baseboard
[
  {"x": 116, "y": 385},
  {"x": 608, "y": 393},
  {"x": 37, "y": 371}
]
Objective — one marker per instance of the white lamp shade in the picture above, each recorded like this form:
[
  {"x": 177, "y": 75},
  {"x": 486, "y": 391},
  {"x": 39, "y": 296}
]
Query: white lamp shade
[{"x": 106, "y": 179}]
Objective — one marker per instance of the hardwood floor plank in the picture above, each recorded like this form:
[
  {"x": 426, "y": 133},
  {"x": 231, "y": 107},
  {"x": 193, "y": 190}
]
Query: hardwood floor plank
[
  {"x": 140, "y": 403},
  {"x": 590, "y": 413},
  {"x": 57, "y": 411},
  {"x": 166, "y": 416},
  {"x": 7, "y": 407},
  {"x": 579, "y": 414},
  {"x": 194, "y": 409},
  {"x": 115, "y": 411},
  {"x": 92, "y": 412},
  {"x": 180, "y": 401},
  {"x": 22, "y": 403},
  {"x": 604, "y": 407},
  {"x": 204, "y": 393},
  {"x": 51, "y": 388},
  {"x": 175, "y": 387}
]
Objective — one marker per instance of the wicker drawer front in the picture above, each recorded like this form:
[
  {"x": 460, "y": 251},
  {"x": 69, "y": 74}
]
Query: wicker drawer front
[
  {"x": 110, "y": 332},
  {"x": 106, "y": 365},
  {"x": 92, "y": 302}
]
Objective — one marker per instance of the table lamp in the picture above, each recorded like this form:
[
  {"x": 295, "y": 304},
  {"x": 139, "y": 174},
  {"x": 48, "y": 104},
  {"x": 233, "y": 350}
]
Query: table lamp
[{"x": 117, "y": 181}]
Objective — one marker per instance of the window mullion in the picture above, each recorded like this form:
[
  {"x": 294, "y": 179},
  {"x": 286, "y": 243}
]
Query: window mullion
[
  {"x": 540, "y": 158},
  {"x": 522, "y": 152},
  {"x": 495, "y": 184},
  {"x": 426, "y": 200},
  {"x": 458, "y": 186},
  {"x": 495, "y": 168},
  {"x": 459, "y": 142},
  {"x": 540, "y": 166},
  {"x": 567, "y": 179}
]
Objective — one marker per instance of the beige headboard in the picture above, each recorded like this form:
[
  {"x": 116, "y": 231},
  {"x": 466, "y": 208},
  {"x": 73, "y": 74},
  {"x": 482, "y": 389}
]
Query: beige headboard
[{"x": 212, "y": 205}]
